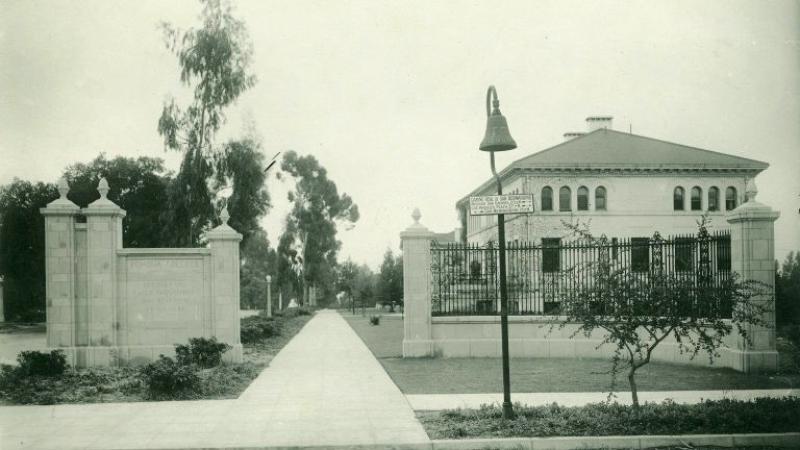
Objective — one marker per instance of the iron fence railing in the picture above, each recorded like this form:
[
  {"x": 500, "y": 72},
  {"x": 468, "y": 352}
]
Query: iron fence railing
[{"x": 465, "y": 276}]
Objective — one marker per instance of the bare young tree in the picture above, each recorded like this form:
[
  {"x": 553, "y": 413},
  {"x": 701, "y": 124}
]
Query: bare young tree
[{"x": 635, "y": 313}]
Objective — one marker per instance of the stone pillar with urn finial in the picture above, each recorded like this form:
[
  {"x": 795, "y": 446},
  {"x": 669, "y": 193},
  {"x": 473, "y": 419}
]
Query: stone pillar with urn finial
[
  {"x": 103, "y": 240},
  {"x": 223, "y": 241},
  {"x": 416, "y": 246},
  {"x": 59, "y": 241},
  {"x": 107, "y": 305},
  {"x": 753, "y": 258}
]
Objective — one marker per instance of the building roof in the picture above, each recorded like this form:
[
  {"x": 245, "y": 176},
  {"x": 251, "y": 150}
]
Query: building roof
[{"x": 609, "y": 150}]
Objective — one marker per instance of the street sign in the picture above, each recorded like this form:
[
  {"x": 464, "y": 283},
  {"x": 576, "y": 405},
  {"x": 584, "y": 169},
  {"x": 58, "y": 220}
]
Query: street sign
[{"x": 490, "y": 205}]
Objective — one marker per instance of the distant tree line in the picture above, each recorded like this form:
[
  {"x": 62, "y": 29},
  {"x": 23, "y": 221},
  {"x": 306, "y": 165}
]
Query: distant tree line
[
  {"x": 787, "y": 290},
  {"x": 359, "y": 285}
]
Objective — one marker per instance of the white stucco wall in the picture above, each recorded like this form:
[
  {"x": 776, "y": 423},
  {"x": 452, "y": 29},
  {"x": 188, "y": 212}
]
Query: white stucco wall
[{"x": 637, "y": 205}]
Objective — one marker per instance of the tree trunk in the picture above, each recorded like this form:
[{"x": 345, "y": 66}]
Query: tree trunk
[{"x": 634, "y": 392}]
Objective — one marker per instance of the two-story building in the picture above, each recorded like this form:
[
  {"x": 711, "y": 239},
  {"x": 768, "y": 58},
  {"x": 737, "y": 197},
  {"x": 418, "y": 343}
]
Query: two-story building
[{"x": 620, "y": 184}]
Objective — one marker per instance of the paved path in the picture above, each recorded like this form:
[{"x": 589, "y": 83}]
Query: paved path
[
  {"x": 323, "y": 389},
  {"x": 453, "y": 401},
  {"x": 13, "y": 343}
]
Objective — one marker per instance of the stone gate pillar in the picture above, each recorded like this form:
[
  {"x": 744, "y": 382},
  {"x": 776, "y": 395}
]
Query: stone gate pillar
[
  {"x": 224, "y": 244},
  {"x": 103, "y": 240},
  {"x": 59, "y": 238},
  {"x": 753, "y": 258},
  {"x": 416, "y": 246}
]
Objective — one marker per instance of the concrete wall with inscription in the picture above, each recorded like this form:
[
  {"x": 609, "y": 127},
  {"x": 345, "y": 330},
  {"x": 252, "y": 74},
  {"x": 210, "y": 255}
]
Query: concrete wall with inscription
[{"x": 107, "y": 305}]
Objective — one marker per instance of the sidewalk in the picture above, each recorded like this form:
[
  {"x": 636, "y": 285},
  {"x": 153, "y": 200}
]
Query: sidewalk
[
  {"x": 454, "y": 401},
  {"x": 323, "y": 389}
]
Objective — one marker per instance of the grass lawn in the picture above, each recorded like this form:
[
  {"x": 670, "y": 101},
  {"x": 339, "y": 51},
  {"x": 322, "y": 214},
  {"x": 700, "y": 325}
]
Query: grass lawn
[
  {"x": 125, "y": 384},
  {"x": 483, "y": 375}
]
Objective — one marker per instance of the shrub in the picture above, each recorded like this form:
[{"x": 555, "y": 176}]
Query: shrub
[
  {"x": 33, "y": 363},
  {"x": 227, "y": 381},
  {"x": 21, "y": 389},
  {"x": 792, "y": 333},
  {"x": 256, "y": 328},
  {"x": 165, "y": 378},
  {"x": 201, "y": 351},
  {"x": 374, "y": 320},
  {"x": 708, "y": 417}
]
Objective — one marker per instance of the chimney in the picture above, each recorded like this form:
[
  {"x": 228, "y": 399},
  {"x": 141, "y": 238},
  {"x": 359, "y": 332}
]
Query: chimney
[
  {"x": 572, "y": 135},
  {"x": 598, "y": 122}
]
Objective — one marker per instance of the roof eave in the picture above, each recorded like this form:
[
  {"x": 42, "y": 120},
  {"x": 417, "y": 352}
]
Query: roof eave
[{"x": 643, "y": 168}]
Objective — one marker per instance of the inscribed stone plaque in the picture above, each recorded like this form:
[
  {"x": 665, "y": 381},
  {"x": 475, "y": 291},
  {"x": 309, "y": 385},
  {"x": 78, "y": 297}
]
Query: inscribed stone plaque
[{"x": 164, "y": 293}]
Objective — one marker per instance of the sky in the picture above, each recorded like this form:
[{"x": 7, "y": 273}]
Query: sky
[{"x": 389, "y": 96}]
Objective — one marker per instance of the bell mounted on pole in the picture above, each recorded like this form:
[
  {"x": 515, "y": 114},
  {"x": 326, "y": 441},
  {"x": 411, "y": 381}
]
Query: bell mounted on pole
[{"x": 497, "y": 138}]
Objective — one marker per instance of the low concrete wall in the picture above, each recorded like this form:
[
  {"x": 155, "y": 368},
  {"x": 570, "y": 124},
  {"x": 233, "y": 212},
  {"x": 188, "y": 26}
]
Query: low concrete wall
[{"x": 534, "y": 337}]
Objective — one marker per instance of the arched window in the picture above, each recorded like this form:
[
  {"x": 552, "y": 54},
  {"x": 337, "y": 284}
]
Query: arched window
[
  {"x": 564, "y": 199},
  {"x": 730, "y": 198},
  {"x": 600, "y": 199},
  {"x": 677, "y": 199},
  {"x": 583, "y": 198},
  {"x": 713, "y": 198},
  {"x": 547, "y": 198},
  {"x": 697, "y": 199}
]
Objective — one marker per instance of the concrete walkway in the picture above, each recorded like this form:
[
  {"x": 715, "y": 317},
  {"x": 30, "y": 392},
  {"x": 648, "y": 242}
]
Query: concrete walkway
[
  {"x": 454, "y": 401},
  {"x": 323, "y": 389}
]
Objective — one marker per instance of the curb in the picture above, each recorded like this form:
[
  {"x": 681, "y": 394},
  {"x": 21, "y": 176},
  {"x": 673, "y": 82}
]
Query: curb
[
  {"x": 635, "y": 442},
  {"x": 562, "y": 443}
]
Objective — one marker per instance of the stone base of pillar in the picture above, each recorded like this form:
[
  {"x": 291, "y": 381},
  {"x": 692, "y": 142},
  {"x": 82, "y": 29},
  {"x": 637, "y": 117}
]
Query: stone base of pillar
[
  {"x": 132, "y": 355},
  {"x": 234, "y": 355},
  {"x": 417, "y": 349},
  {"x": 754, "y": 361}
]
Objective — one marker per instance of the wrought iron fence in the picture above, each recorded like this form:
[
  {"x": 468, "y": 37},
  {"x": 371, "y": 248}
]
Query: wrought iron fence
[{"x": 540, "y": 277}]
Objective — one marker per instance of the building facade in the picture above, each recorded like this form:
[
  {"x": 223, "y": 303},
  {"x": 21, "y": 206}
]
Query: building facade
[{"x": 618, "y": 184}]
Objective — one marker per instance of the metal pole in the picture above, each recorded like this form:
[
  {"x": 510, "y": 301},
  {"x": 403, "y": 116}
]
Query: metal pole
[
  {"x": 508, "y": 411},
  {"x": 269, "y": 296},
  {"x": 2, "y": 315}
]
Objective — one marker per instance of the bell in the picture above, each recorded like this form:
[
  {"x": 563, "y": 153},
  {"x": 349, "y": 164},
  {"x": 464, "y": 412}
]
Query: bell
[{"x": 497, "y": 138}]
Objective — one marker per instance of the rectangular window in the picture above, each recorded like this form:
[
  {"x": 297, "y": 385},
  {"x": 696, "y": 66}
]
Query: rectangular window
[
  {"x": 551, "y": 254},
  {"x": 684, "y": 254},
  {"x": 723, "y": 253},
  {"x": 640, "y": 254}
]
